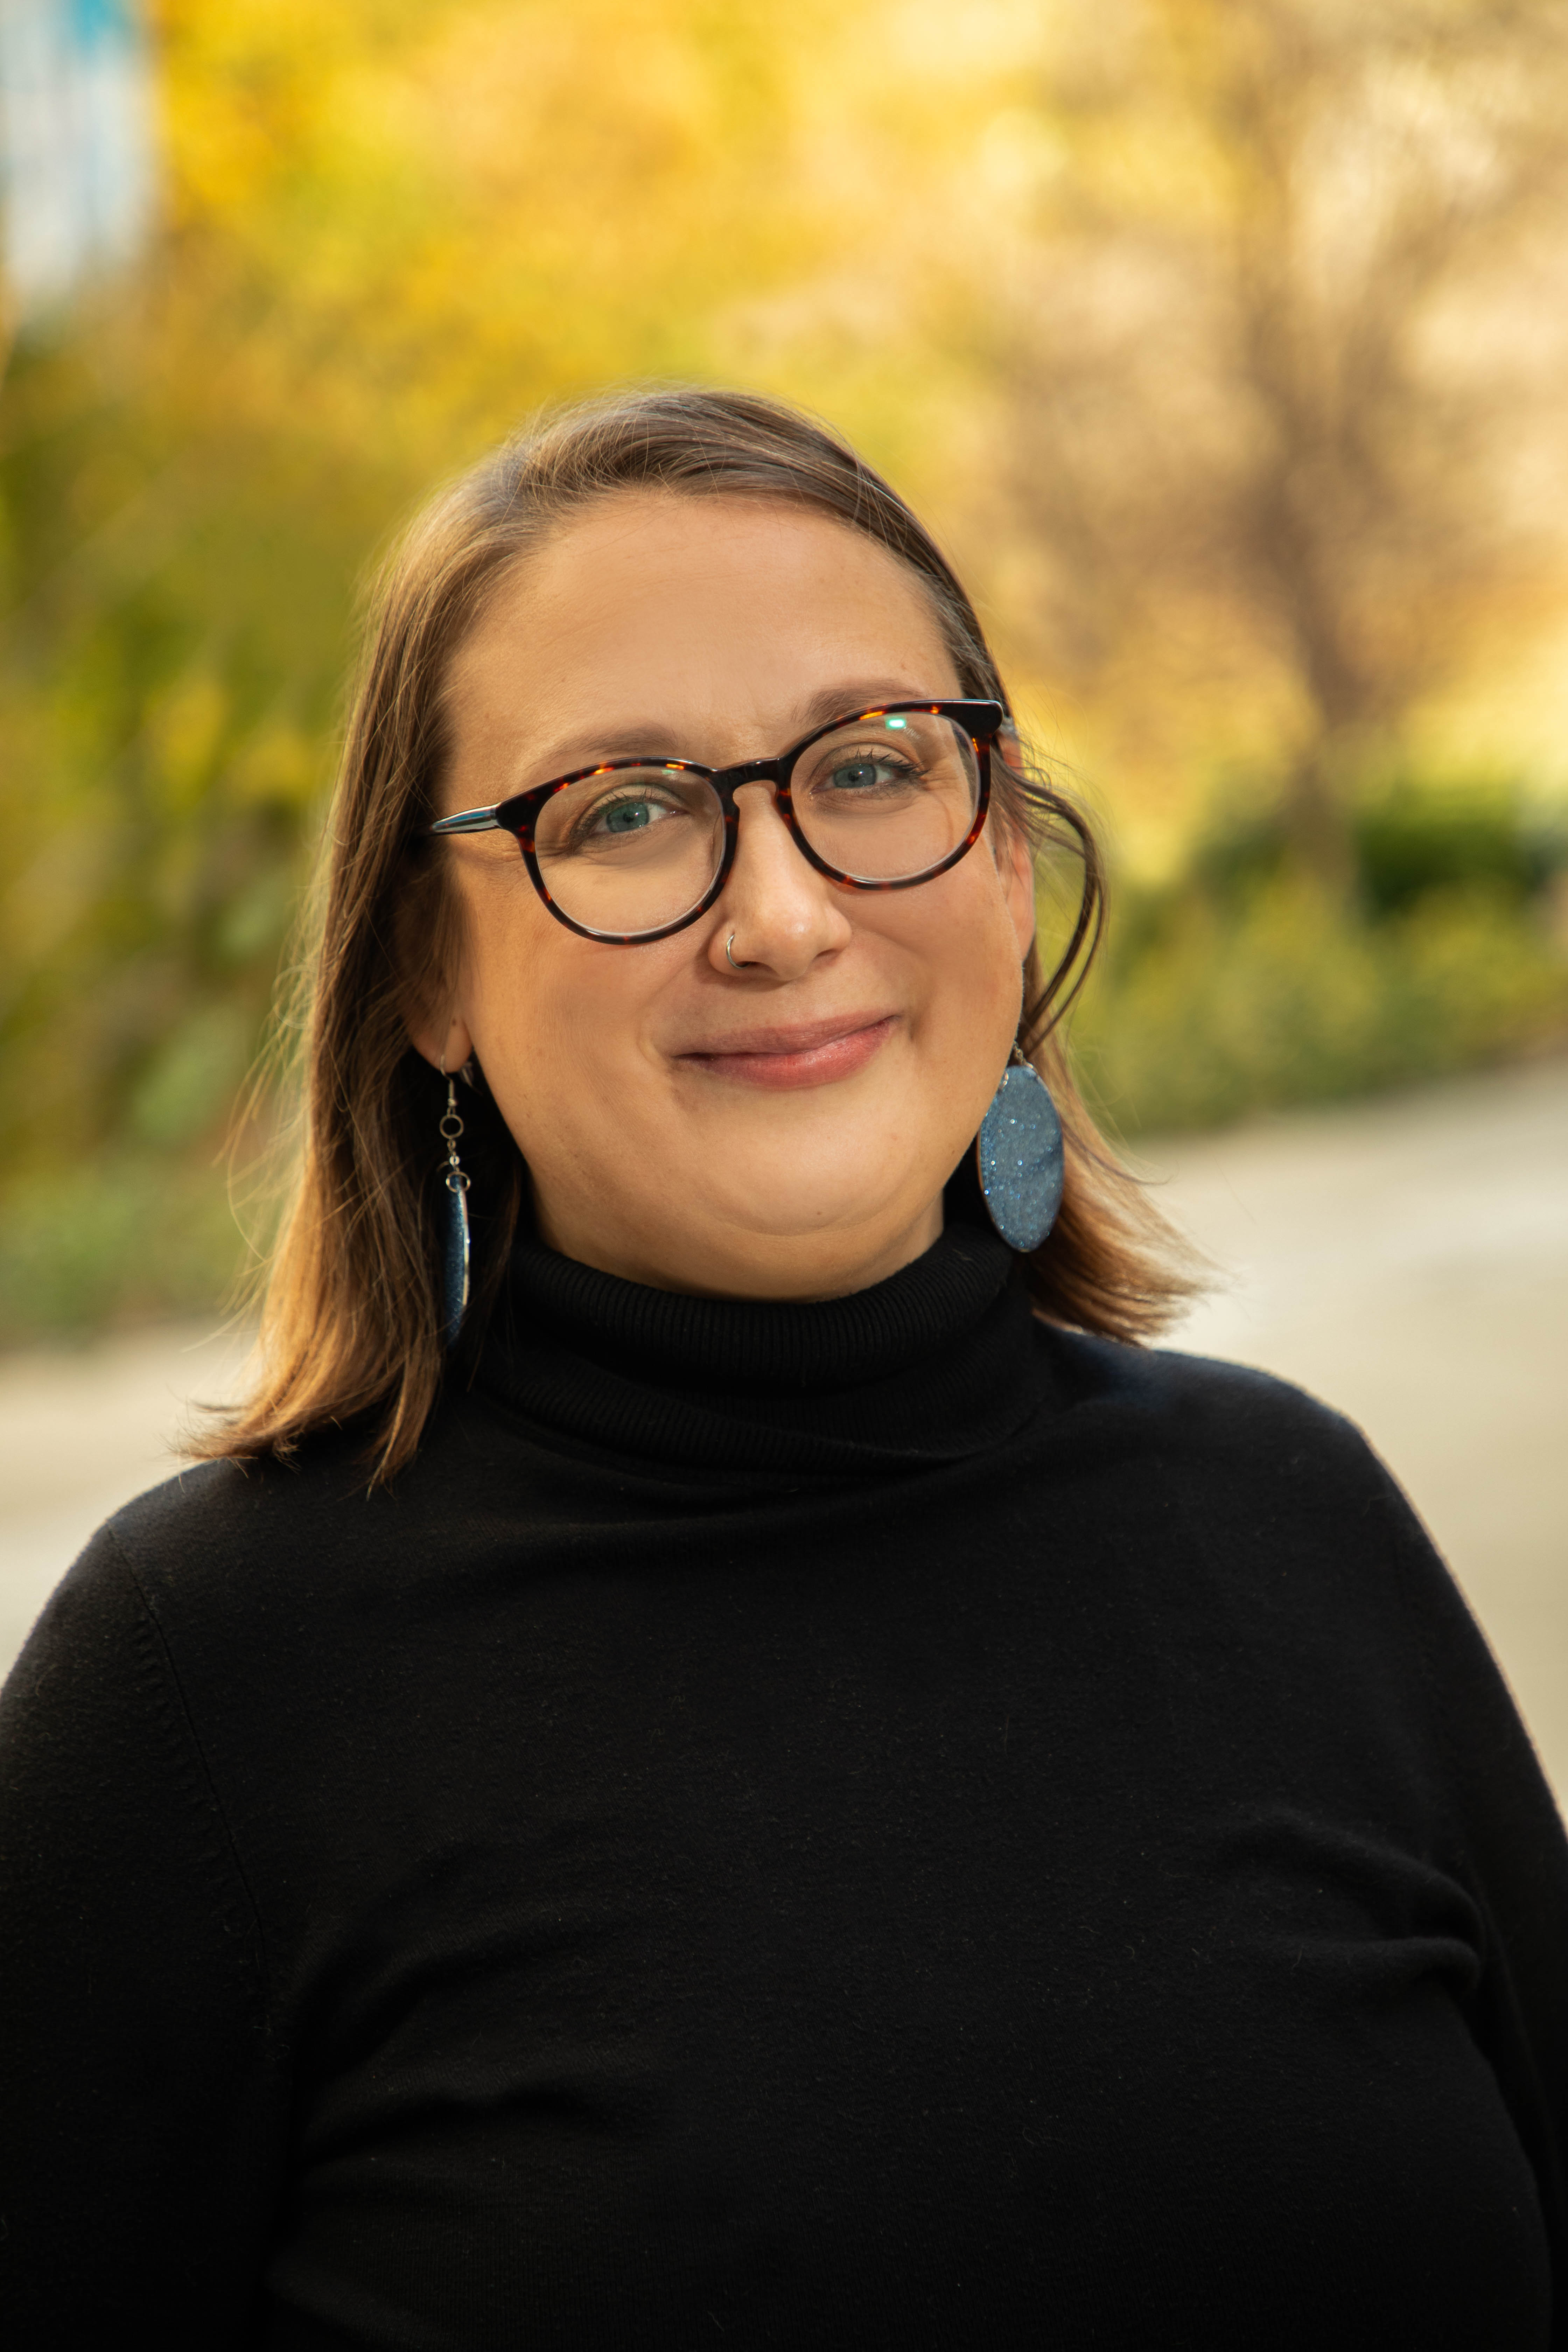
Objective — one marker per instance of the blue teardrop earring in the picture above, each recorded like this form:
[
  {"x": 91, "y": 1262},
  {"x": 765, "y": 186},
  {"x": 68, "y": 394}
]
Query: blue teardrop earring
[
  {"x": 455, "y": 1242},
  {"x": 1018, "y": 1154}
]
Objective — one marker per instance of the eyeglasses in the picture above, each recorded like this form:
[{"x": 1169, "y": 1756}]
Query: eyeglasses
[{"x": 633, "y": 849}]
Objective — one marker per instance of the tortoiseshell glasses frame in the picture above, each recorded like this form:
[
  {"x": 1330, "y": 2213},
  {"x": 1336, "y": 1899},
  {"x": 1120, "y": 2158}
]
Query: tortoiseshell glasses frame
[{"x": 981, "y": 721}]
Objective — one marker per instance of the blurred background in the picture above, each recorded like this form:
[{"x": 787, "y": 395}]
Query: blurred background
[{"x": 1224, "y": 342}]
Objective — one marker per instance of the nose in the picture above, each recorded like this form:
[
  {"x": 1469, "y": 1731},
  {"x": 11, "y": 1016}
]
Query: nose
[{"x": 780, "y": 912}]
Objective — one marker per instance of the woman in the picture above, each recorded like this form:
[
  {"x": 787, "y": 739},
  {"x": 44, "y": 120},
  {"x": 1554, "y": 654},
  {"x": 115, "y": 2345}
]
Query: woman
[{"x": 728, "y": 1758}]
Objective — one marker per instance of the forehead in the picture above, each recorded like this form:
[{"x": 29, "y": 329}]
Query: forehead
[{"x": 699, "y": 602}]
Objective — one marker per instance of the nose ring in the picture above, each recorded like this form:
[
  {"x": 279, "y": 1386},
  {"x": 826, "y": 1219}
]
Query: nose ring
[{"x": 728, "y": 945}]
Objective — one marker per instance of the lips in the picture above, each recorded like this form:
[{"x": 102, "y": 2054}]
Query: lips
[{"x": 809, "y": 1054}]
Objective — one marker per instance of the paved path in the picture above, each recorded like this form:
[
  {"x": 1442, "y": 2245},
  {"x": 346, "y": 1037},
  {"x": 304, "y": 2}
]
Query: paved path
[
  {"x": 81, "y": 1430},
  {"x": 1405, "y": 1259}
]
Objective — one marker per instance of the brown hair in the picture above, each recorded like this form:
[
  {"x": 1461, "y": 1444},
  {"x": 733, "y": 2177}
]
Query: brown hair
[{"x": 350, "y": 1314}]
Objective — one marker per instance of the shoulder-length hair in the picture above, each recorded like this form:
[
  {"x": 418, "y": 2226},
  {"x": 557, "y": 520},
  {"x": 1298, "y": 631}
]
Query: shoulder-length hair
[{"x": 350, "y": 1309}]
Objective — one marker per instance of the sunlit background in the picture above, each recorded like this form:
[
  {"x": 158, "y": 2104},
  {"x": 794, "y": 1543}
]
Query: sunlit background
[{"x": 1224, "y": 342}]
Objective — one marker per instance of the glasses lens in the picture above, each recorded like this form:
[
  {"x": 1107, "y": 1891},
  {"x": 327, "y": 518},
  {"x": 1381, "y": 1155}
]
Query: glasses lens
[
  {"x": 887, "y": 797},
  {"x": 631, "y": 848}
]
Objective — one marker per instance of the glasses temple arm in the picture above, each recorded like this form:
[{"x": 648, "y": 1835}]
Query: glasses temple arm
[{"x": 480, "y": 820}]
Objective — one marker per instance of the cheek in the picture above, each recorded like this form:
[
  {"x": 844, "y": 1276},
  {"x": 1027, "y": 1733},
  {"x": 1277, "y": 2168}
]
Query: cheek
[
  {"x": 967, "y": 947},
  {"x": 510, "y": 991},
  {"x": 550, "y": 1013}
]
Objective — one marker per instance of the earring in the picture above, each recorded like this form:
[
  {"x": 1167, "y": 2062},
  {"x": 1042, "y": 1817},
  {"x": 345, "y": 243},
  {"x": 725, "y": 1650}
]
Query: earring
[
  {"x": 455, "y": 1244},
  {"x": 1018, "y": 1154}
]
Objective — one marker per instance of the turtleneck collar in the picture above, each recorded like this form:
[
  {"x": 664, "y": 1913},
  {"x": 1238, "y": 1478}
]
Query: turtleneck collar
[{"x": 938, "y": 1362}]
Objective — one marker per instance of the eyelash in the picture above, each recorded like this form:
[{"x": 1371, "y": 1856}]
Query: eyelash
[
  {"x": 875, "y": 751},
  {"x": 626, "y": 798}
]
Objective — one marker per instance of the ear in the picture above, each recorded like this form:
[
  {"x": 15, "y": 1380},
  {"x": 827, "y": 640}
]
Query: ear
[
  {"x": 1016, "y": 867},
  {"x": 445, "y": 1044},
  {"x": 427, "y": 950}
]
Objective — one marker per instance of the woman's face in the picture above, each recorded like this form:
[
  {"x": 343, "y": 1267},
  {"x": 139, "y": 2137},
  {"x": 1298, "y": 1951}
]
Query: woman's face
[{"x": 780, "y": 1131}]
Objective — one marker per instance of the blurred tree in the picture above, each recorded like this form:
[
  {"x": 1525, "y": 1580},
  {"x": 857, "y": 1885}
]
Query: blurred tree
[{"x": 1283, "y": 410}]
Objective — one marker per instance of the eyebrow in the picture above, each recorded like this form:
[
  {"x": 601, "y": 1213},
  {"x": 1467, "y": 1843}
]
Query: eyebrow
[{"x": 845, "y": 698}]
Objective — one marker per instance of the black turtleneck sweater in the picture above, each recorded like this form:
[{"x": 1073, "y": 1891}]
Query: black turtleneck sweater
[{"x": 869, "y": 1825}]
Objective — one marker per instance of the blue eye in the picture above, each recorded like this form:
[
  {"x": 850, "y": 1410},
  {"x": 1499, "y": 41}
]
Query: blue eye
[
  {"x": 628, "y": 816},
  {"x": 871, "y": 773}
]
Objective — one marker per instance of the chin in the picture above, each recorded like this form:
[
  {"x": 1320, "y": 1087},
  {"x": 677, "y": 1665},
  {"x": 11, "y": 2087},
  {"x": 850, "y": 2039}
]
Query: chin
[
  {"x": 811, "y": 1248},
  {"x": 795, "y": 1212}
]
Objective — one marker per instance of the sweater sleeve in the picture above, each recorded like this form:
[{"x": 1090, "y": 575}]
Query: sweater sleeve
[
  {"x": 1512, "y": 1854},
  {"x": 136, "y": 2166}
]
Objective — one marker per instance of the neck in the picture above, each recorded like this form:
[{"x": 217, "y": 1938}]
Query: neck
[
  {"x": 930, "y": 1365},
  {"x": 725, "y": 1263}
]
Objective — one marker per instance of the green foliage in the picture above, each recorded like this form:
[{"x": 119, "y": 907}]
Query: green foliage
[
  {"x": 116, "y": 1239},
  {"x": 1411, "y": 841},
  {"x": 168, "y": 683},
  {"x": 1409, "y": 837},
  {"x": 1244, "y": 986}
]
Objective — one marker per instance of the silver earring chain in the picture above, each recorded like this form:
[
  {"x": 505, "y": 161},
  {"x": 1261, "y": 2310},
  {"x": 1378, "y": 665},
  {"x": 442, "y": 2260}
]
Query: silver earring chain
[{"x": 451, "y": 1128}]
